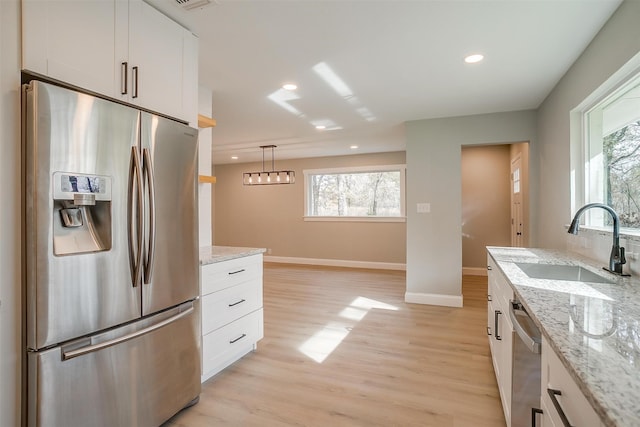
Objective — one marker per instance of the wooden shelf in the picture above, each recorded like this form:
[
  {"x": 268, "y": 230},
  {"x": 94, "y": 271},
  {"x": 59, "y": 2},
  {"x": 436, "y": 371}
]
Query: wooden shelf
[
  {"x": 206, "y": 122},
  {"x": 206, "y": 179}
]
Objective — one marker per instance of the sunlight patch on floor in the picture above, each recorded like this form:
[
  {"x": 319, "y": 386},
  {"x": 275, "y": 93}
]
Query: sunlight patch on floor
[{"x": 325, "y": 341}]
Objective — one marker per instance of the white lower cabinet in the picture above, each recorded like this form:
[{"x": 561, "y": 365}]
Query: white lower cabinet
[
  {"x": 500, "y": 332},
  {"x": 232, "y": 316},
  {"x": 571, "y": 406}
]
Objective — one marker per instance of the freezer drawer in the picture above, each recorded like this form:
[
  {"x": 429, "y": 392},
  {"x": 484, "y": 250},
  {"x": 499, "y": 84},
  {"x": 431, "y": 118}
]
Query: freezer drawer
[{"x": 151, "y": 373}]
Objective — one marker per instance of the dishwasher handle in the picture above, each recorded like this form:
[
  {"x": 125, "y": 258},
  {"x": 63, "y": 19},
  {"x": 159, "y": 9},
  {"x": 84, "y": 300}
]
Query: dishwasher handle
[{"x": 532, "y": 343}]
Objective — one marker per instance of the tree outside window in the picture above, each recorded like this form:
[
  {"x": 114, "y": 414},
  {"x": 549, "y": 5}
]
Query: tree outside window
[
  {"x": 373, "y": 193},
  {"x": 613, "y": 156},
  {"x": 621, "y": 155}
]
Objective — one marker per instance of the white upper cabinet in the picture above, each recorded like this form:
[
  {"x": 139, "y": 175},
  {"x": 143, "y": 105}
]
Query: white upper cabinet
[
  {"x": 70, "y": 41},
  {"x": 122, "y": 49},
  {"x": 157, "y": 52}
]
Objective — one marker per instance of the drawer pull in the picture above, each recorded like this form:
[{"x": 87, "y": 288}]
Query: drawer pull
[
  {"x": 489, "y": 330},
  {"x": 563, "y": 417},
  {"x": 236, "y": 303},
  {"x": 237, "y": 339},
  {"x": 236, "y": 272},
  {"x": 495, "y": 324},
  {"x": 489, "y": 297}
]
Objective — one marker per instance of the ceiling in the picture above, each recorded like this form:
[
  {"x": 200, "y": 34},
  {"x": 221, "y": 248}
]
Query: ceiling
[{"x": 365, "y": 67}]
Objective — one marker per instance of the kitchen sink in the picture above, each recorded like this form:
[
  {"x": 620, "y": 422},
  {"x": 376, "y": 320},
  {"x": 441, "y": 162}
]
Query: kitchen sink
[{"x": 560, "y": 272}]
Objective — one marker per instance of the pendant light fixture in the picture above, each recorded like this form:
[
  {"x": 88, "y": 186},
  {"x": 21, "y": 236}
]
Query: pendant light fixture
[{"x": 268, "y": 177}]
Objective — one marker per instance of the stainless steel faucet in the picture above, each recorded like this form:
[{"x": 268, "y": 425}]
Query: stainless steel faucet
[{"x": 616, "y": 259}]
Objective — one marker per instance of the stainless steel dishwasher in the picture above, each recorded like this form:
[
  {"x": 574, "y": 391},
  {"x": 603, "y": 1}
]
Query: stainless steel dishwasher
[{"x": 525, "y": 384}]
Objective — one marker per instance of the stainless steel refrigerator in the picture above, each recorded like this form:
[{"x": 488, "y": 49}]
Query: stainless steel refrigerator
[{"x": 111, "y": 262}]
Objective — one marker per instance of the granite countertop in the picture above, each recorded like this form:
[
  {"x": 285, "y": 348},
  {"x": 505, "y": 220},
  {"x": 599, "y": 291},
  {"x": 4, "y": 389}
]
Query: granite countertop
[
  {"x": 594, "y": 328},
  {"x": 212, "y": 254}
]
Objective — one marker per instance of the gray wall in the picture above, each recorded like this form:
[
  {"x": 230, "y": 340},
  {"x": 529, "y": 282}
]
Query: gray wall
[
  {"x": 434, "y": 244},
  {"x": 486, "y": 202},
  {"x": 272, "y": 216},
  {"x": 10, "y": 218},
  {"x": 611, "y": 49}
]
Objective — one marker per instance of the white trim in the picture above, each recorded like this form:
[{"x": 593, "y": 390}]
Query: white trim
[
  {"x": 337, "y": 262},
  {"x": 356, "y": 218},
  {"x": 433, "y": 299},
  {"x": 474, "y": 271},
  {"x": 354, "y": 169}
]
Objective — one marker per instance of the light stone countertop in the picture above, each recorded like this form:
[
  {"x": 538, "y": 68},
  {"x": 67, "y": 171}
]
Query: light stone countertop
[
  {"x": 212, "y": 254},
  {"x": 594, "y": 328}
]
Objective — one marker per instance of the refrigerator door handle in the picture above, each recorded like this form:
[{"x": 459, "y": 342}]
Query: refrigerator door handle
[
  {"x": 66, "y": 355},
  {"x": 149, "y": 178},
  {"x": 135, "y": 225}
]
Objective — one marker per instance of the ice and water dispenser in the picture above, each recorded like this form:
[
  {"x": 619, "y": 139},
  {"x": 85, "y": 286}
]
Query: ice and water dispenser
[{"x": 82, "y": 213}]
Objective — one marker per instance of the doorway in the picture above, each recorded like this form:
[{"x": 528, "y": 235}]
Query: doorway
[{"x": 494, "y": 200}]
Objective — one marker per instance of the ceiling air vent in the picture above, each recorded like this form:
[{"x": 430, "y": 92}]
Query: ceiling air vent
[{"x": 193, "y": 4}]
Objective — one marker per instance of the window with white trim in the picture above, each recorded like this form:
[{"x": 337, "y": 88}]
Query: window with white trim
[
  {"x": 370, "y": 193},
  {"x": 612, "y": 156}
]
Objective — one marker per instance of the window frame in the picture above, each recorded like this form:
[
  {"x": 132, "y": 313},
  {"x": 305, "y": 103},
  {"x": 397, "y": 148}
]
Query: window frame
[
  {"x": 583, "y": 186},
  {"x": 402, "y": 168}
]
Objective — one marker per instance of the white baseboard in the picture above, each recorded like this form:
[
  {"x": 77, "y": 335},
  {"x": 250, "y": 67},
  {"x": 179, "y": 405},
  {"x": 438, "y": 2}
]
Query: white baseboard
[
  {"x": 336, "y": 262},
  {"x": 474, "y": 271},
  {"x": 433, "y": 299}
]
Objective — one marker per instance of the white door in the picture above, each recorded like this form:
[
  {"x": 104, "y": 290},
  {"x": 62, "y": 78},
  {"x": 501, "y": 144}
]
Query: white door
[{"x": 517, "y": 220}]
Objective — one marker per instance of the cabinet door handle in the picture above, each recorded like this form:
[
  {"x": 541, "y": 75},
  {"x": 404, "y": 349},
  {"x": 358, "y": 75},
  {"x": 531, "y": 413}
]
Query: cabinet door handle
[
  {"x": 534, "y": 412},
  {"x": 134, "y": 72},
  {"x": 495, "y": 324},
  {"x": 563, "y": 417},
  {"x": 489, "y": 330},
  {"x": 124, "y": 81},
  {"x": 236, "y": 303},
  {"x": 237, "y": 339},
  {"x": 489, "y": 297},
  {"x": 236, "y": 272},
  {"x": 489, "y": 268}
]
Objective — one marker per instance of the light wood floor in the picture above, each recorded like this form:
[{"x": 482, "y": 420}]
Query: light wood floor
[{"x": 341, "y": 348}]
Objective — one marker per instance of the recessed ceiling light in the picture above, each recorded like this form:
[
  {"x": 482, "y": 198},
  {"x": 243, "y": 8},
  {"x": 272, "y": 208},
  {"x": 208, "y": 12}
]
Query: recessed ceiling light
[
  {"x": 234, "y": 157},
  {"x": 289, "y": 86},
  {"x": 320, "y": 127},
  {"x": 472, "y": 59},
  {"x": 353, "y": 147}
]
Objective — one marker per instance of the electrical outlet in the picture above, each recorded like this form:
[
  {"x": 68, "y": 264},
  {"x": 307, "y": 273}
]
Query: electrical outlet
[{"x": 633, "y": 252}]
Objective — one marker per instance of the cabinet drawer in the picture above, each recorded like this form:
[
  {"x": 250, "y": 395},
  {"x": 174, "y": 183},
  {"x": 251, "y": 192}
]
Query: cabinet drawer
[
  {"x": 499, "y": 289},
  {"x": 227, "y": 305},
  {"x": 221, "y": 275},
  {"x": 573, "y": 403},
  {"x": 223, "y": 346}
]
